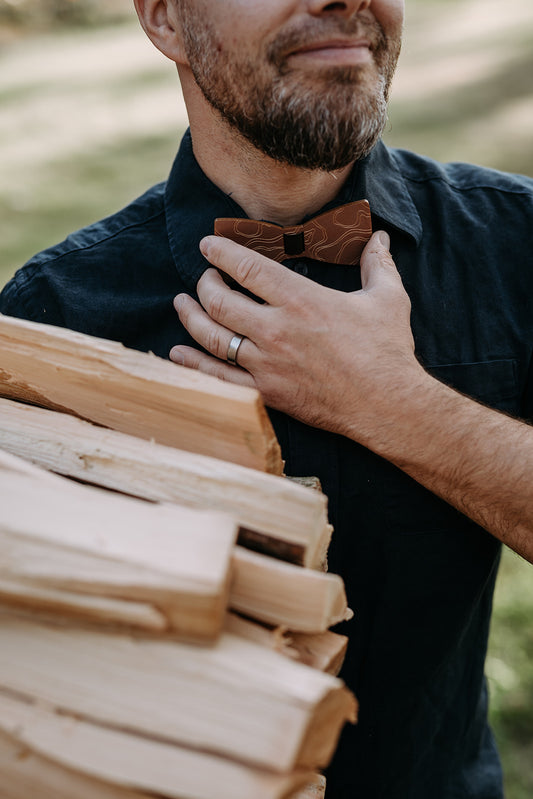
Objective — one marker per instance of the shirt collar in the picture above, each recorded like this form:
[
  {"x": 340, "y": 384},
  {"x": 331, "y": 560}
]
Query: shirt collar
[
  {"x": 193, "y": 202},
  {"x": 383, "y": 185}
]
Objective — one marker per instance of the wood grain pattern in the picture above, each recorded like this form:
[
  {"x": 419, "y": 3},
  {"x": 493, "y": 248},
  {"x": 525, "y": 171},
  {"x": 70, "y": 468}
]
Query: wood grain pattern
[
  {"x": 60, "y": 536},
  {"x": 83, "y": 760},
  {"x": 275, "y": 515},
  {"x": 323, "y": 651},
  {"x": 280, "y": 593},
  {"x": 234, "y": 699},
  {"x": 136, "y": 393}
]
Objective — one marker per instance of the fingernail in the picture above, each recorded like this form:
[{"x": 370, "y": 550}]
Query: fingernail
[
  {"x": 176, "y": 356},
  {"x": 205, "y": 245},
  {"x": 384, "y": 239},
  {"x": 178, "y": 302}
]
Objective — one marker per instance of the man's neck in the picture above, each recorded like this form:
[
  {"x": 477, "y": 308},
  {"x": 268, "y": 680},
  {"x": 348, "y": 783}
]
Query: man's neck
[{"x": 264, "y": 188}]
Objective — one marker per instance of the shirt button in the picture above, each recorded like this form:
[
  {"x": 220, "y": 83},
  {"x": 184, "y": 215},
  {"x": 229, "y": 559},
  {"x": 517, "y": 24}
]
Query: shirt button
[{"x": 301, "y": 269}]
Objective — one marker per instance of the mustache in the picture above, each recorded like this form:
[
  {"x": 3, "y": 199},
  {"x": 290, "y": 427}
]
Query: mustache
[{"x": 313, "y": 31}]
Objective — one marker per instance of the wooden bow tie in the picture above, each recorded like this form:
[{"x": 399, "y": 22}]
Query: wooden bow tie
[{"x": 337, "y": 237}]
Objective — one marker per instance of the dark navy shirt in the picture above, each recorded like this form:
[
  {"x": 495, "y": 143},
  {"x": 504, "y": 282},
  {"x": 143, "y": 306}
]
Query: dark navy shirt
[{"x": 419, "y": 575}]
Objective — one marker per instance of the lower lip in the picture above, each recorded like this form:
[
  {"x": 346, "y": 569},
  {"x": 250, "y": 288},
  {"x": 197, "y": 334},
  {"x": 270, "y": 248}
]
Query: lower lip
[{"x": 351, "y": 56}]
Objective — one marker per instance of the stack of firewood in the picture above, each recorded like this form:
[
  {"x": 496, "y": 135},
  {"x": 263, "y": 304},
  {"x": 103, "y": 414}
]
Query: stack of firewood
[{"x": 173, "y": 642}]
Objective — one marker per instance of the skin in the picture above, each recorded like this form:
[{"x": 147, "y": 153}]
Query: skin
[
  {"x": 287, "y": 193},
  {"x": 374, "y": 391}
]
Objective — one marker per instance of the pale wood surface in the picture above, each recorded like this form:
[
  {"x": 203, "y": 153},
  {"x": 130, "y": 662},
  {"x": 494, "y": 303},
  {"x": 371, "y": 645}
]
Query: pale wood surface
[
  {"x": 323, "y": 651},
  {"x": 26, "y": 775},
  {"x": 135, "y": 393},
  {"x": 273, "y": 513},
  {"x": 85, "y": 541},
  {"x": 51, "y": 602},
  {"x": 11, "y": 462},
  {"x": 276, "y": 638},
  {"x": 283, "y": 594},
  {"x": 125, "y": 761},
  {"x": 117, "y": 717},
  {"x": 88, "y": 541},
  {"x": 235, "y": 698}
]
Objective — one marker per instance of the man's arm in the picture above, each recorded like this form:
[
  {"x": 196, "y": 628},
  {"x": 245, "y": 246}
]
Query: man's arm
[{"x": 346, "y": 363}]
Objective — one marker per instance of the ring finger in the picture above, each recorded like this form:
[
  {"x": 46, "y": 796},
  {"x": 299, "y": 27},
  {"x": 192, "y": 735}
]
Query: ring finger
[{"x": 212, "y": 336}]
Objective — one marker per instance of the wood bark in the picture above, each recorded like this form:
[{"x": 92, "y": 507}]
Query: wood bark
[
  {"x": 275, "y": 515},
  {"x": 135, "y": 393}
]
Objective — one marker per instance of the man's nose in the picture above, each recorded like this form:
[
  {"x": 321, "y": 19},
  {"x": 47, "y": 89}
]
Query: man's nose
[{"x": 347, "y": 7}]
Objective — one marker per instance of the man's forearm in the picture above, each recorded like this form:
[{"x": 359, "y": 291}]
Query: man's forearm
[{"x": 477, "y": 459}]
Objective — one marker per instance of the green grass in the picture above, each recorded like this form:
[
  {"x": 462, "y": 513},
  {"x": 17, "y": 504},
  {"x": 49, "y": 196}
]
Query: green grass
[{"x": 510, "y": 672}]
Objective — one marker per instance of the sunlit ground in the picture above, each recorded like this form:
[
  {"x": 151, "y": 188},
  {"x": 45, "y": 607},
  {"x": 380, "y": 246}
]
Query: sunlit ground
[{"x": 91, "y": 117}]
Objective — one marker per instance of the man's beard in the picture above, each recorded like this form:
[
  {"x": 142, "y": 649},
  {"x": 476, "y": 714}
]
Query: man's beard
[{"x": 324, "y": 120}]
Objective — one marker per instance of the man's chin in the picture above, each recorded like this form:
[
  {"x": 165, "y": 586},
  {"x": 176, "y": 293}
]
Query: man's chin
[{"x": 321, "y": 159}]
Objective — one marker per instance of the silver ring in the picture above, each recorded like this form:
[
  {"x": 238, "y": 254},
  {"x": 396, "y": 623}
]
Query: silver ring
[{"x": 233, "y": 349}]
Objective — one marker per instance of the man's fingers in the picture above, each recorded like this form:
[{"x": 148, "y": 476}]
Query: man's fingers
[
  {"x": 377, "y": 266},
  {"x": 193, "y": 359},
  {"x": 228, "y": 307},
  {"x": 265, "y": 278},
  {"x": 212, "y": 336}
]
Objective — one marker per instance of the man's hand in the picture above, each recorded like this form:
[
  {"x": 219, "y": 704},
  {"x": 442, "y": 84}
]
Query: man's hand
[
  {"x": 346, "y": 362},
  {"x": 325, "y": 357}
]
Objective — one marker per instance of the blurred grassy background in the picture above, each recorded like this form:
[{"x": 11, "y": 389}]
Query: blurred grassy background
[{"x": 92, "y": 116}]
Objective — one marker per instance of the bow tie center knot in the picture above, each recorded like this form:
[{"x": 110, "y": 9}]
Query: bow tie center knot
[{"x": 294, "y": 241}]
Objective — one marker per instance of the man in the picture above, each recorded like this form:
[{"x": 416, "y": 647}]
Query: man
[{"x": 287, "y": 100}]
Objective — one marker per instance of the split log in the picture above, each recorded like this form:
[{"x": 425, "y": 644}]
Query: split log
[
  {"x": 135, "y": 393},
  {"x": 275, "y": 515},
  {"x": 80, "y": 540},
  {"x": 283, "y": 594},
  {"x": 325, "y": 651},
  {"x": 76, "y": 540},
  {"x": 58, "y": 536},
  {"x": 83, "y": 760},
  {"x": 235, "y": 699},
  {"x": 290, "y": 598},
  {"x": 322, "y": 651}
]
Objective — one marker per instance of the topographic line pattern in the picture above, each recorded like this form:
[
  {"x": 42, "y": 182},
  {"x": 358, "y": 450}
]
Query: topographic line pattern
[{"x": 336, "y": 237}]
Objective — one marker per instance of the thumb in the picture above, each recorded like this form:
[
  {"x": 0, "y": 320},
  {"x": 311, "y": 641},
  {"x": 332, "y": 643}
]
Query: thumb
[{"x": 376, "y": 262}]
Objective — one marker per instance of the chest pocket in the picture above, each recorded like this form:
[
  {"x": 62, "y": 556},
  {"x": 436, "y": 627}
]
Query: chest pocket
[{"x": 494, "y": 383}]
